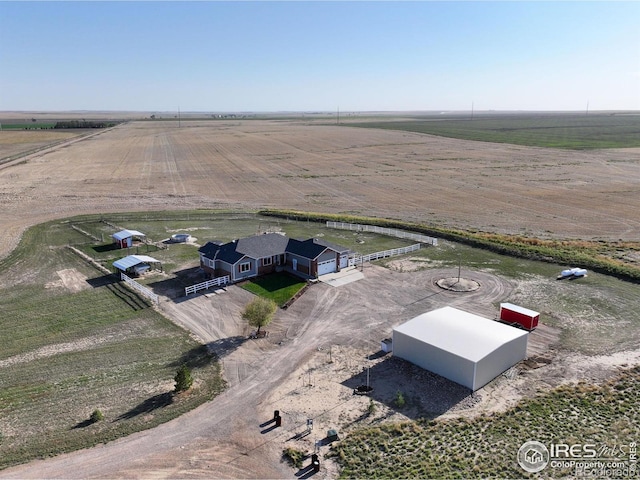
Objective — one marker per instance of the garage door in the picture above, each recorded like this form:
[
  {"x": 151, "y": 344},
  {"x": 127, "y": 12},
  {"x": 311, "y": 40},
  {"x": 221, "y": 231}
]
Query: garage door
[
  {"x": 344, "y": 261},
  {"x": 327, "y": 267}
]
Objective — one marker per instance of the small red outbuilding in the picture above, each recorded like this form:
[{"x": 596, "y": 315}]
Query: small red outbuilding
[{"x": 514, "y": 314}]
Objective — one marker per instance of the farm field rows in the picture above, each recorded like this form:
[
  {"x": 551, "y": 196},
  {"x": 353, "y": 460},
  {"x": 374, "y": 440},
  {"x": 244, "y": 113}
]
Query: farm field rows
[
  {"x": 153, "y": 167},
  {"x": 288, "y": 164}
]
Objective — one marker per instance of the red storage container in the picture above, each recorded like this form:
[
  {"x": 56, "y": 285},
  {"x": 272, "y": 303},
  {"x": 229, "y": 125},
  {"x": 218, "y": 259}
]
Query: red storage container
[{"x": 519, "y": 316}]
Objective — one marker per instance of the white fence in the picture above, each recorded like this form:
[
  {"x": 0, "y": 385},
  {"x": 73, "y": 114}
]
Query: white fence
[
  {"x": 387, "y": 253},
  {"x": 140, "y": 288},
  {"x": 216, "y": 282},
  {"x": 392, "y": 232}
]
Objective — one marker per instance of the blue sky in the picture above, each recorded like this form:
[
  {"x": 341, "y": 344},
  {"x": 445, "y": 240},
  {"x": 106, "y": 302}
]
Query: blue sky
[{"x": 319, "y": 56}]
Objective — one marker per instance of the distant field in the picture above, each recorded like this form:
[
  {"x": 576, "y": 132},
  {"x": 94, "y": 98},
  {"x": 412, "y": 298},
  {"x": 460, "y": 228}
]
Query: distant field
[
  {"x": 579, "y": 132},
  {"x": 17, "y": 142},
  {"x": 27, "y": 126}
]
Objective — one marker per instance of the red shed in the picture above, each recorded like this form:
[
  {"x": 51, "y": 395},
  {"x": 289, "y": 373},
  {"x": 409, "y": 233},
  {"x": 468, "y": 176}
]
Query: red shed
[{"x": 514, "y": 314}]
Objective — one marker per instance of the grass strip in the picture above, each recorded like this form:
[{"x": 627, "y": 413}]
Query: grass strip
[{"x": 602, "y": 257}]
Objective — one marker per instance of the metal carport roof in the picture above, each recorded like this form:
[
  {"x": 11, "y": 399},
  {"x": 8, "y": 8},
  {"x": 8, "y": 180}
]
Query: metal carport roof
[
  {"x": 133, "y": 260},
  {"x": 122, "y": 234}
]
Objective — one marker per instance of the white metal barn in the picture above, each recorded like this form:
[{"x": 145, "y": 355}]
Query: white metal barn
[{"x": 463, "y": 347}]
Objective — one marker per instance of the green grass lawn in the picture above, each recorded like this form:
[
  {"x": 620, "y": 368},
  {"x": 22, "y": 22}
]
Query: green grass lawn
[{"x": 279, "y": 287}]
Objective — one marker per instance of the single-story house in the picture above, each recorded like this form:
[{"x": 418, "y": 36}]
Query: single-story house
[
  {"x": 137, "y": 264},
  {"x": 262, "y": 254},
  {"x": 124, "y": 238},
  {"x": 461, "y": 346}
]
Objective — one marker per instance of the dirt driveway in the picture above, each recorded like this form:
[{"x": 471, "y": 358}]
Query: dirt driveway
[
  {"x": 307, "y": 367},
  {"x": 223, "y": 438}
]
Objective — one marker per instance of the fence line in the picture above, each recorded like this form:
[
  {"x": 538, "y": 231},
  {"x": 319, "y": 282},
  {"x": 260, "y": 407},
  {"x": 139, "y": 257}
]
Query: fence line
[
  {"x": 140, "y": 288},
  {"x": 218, "y": 281},
  {"x": 392, "y": 232},
  {"x": 385, "y": 254}
]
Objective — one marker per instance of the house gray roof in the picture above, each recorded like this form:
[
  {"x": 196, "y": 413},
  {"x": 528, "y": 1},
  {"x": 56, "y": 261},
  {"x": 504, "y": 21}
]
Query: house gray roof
[
  {"x": 260, "y": 246},
  {"x": 267, "y": 245}
]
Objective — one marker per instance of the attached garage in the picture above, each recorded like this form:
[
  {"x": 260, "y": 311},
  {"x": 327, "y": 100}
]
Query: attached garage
[
  {"x": 326, "y": 267},
  {"x": 463, "y": 347}
]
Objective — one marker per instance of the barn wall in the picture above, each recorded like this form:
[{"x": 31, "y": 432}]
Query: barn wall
[
  {"x": 434, "y": 359},
  {"x": 500, "y": 360}
]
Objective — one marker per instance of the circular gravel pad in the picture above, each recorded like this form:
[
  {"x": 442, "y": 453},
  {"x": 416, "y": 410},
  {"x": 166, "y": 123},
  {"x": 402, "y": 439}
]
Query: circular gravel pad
[{"x": 458, "y": 285}]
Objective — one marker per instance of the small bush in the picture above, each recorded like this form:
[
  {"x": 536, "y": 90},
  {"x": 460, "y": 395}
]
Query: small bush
[
  {"x": 96, "y": 416},
  {"x": 294, "y": 457},
  {"x": 183, "y": 379},
  {"x": 400, "y": 401},
  {"x": 371, "y": 409}
]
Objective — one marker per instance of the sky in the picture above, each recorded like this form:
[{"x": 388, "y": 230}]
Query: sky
[{"x": 265, "y": 56}]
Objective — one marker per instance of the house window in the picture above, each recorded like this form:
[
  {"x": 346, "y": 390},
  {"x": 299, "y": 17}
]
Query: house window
[
  {"x": 267, "y": 261},
  {"x": 245, "y": 267}
]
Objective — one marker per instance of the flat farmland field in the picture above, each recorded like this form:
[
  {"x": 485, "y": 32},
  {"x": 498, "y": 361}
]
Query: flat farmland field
[
  {"x": 289, "y": 164},
  {"x": 177, "y": 174},
  {"x": 14, "y": 142}
]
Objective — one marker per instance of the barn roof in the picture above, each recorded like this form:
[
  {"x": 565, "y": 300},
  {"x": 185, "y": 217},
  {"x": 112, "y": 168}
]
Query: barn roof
[
  {"x": 122, "y": 234},
  {"x": 132, "y": 261},
  {"x": 464, "y": 334}
]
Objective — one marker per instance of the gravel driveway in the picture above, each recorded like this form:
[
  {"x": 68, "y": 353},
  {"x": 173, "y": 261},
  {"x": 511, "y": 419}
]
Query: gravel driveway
[{"x": 223, "y": 439}]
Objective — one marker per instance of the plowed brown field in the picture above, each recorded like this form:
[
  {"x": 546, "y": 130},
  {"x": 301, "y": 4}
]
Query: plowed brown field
[{"x": 289, "y": 164}]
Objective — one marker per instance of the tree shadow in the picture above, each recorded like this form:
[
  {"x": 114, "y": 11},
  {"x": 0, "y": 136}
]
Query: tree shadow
[
  {"x": 224, "y": 346},
  {"x": 149, "y": 405},
  {"x": 83, "y": 424},
  {"x": 197, "y": 357}
]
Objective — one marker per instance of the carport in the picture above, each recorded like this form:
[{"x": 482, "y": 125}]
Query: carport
[{"x": 137, "y": 264}]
